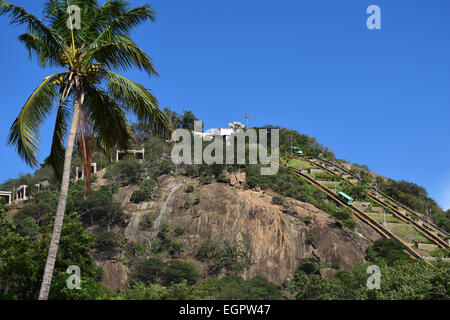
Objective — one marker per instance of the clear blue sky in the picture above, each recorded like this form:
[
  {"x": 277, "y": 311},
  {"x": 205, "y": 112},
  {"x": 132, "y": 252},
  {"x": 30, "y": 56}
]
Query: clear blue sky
[{"x": 376, "y": 97}]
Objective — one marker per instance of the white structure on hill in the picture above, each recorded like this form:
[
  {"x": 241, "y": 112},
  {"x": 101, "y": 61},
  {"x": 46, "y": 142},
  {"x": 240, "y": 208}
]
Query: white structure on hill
[
  {"x": 79, "y": 172},
  {"x": 21, "y": 193},
  {"x": 123, "y": 154},
  {"x": 225, "y": 133},
  {"x": 7, "y": 195}
]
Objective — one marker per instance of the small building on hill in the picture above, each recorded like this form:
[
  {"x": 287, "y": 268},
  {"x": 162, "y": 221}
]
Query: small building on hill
[
  {"x": 21, "y": 193},
  {"x": 123, "y": 154},
  {"x": 79, "y": 172},
  {"x": 7, "y": 195}
]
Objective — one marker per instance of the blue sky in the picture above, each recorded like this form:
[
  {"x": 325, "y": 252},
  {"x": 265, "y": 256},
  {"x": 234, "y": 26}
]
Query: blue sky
[{"x": 376, "y": 97}]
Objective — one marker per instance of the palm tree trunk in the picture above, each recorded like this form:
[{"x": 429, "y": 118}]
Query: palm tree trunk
[{"x": 57, "y": 226}]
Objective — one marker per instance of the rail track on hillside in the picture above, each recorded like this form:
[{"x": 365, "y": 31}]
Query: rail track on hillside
[
  {"x": 419, "y": 227},
  {"x": 425, "y": 224},
  {"x": 359, "y": 214}
]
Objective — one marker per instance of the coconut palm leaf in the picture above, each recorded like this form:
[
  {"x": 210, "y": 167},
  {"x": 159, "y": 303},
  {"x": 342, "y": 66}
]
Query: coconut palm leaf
[
  {"x": 138, "y": 100},
  {"x": 24, "y": 133},
  {"x": 45, "y": 55},
  {"x": 124, "y": 24},
  {"x": 108, "y": 120},
  {"x": 122, "y": 54},
  {"x": 20, "y": 16}
]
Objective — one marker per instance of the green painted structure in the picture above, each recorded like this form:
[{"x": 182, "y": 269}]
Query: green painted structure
[
  {"x": 345, "y": 198},
  {"x": 297, "y": 150}
]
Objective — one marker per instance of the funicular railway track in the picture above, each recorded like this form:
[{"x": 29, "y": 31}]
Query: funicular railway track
[
  {"x": 431, "y": 236},
  {"x": 359, "y": 214},
  {"x": 441, "y": 243},
  {"x": 425, "y": 224}
]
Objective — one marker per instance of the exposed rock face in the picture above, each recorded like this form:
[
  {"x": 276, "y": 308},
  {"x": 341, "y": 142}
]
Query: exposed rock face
[
  {"x": 276, "y": 241},
  {"x": 236, "y": 179},
  {"x": 114, "y": 274}
]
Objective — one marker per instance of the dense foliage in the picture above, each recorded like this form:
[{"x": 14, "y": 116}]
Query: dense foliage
[
  {"x": 22, "y": 260},
  {"x": 416, "y": 198}
]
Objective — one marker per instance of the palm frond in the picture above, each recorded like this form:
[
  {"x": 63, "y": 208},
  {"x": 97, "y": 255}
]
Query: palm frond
[
  {"x": 24, "y": 133},
  {"x": 108, "y": 120},
  {"x": 110, "y": 10},
  {"x": 123, "y": 25},
  {"x": 121, "y": 54},
  {"x": 20, "y": 16},
  {"x": 38, "y": 49},
  {"x": 138, "y": 100}
]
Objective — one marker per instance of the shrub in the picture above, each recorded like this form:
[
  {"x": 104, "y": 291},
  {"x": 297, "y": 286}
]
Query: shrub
[
  {"x": 205, "y": 250},
  {"x": 222, "y": 177},
  {"x": 99, "y": 209},
  {"x": 176, "y": 249},
  {"x": 205, "y": 180},
  {"x": 386, "y": 251},
  {"x": 138, "y": 196},
  {"x": 179, "y": 231},
  {"x": 236, "y": 288},
  {"x": 147, "y": 222},
  {"x": 105, "y": 242},
  {"x": 277, "y": 200},
  {"x": 39, "y": 208},
  {"x": 145, "y": 191},
  {"x": 28, "y": 227},
  {"x": 187, "y": 203},
  {"x": 125, "y": 172},
  {"x": 166, "y": 166},
  {"x": 163, "y": 230},
  {"x": 154, "y": 270},
  {"x": 176, "y": 271},
  {"x": 139, "y": 249},
  {"x": 190, "y": 188},
  {"x": 308, "y": 265},
  {"x": 224, "y": 255}
]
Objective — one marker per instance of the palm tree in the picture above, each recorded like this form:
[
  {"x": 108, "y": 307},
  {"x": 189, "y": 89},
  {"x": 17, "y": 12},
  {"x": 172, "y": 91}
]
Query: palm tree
[{"x": 100, "y": 98}]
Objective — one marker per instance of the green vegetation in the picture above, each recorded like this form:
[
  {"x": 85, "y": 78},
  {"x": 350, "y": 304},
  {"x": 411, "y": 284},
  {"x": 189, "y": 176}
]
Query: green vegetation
[
  {"x": 416, "y": 198},
  {"x": 287, "y": 184},
  {"x": 106, "y": 244},
  {"x": 156, "y": 271},
  {"x": 125, "y": 172},
  {"x": 402, "y": 278},
  {"x": 227, "y": 288},
  {"x": 22, "y": 259},
  {"x": 179, "y": 231},
  {"x": 325, "y": 176},
  {"x": 224, "y": 256},
  {"x": 97, "y": 209},
  {"x": 176, "y": 249},
  {"x": 357, "y": 191},
  {"x": 145, "y": 191},
  {"x": 147, "y": 222}
]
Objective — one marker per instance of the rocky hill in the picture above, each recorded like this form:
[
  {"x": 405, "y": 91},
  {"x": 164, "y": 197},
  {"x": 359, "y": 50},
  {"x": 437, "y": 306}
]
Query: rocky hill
[{"x": 275, "y": 241}]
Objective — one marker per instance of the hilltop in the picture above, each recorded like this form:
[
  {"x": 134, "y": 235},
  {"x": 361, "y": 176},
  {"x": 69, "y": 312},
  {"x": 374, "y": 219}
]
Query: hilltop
[{"x": 152, "y": 229}]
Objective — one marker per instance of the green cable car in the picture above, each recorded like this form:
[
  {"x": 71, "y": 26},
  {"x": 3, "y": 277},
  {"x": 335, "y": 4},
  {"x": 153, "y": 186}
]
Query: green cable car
[
  {"x": 297, "y": 150},
  {"x": 345, "y": 198}
]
